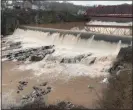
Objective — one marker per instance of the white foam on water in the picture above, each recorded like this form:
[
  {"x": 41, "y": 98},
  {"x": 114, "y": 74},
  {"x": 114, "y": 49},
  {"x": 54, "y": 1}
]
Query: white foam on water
[
  {"x": 8, "y": 100},
  {"x": 67, "y": 46},
  {"x": 4, "y": 59},
  {"x": 105, "y": 80},
  {"x": 55, "y": 69}
]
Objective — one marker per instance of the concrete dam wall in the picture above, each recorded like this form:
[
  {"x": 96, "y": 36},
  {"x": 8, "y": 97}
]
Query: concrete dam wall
[{"x": 84, "y": 35}]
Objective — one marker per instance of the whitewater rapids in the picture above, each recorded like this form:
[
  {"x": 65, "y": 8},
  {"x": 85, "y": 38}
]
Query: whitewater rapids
[{"x": 67, "y": 46}]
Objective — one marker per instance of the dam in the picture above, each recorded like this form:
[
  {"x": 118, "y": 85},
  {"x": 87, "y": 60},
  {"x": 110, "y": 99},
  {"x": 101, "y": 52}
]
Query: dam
[
  {"x": 83, "y": 35},
  {"x": 65, "y": 55}
]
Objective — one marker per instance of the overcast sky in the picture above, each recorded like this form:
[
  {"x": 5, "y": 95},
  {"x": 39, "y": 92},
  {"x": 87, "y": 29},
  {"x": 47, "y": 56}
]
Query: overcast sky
[
  {"x": 90, "y": 3},
  {"x": 87, "y": 3}
]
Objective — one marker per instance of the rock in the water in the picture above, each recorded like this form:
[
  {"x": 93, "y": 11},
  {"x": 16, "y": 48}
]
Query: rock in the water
[
  {"x": 92, "y": 60},
  {"x": 49, "y": 88},
  {"x": 48, "y": 91},
  {"x": 43, "y": 92},
  {"x": 15, "y": 44},
  {"x": 44, "y": 84},
  {"x": 36, "y": 95},
  {"x": 33, "y": 54},
  {"x": 75, "y": 59},
  {"x": 35, "y": 58},
  {"x": 35, "y": 88},
  {"x": 88, "y": 60},
  {"x": 23, "y": 82},
  {"x": 20, "y": 87},
  {"x": 48, "y": 47}
]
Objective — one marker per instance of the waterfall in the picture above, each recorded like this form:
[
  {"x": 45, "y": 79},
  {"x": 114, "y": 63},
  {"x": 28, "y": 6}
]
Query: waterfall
[
  {"x": 75, "y": 42},
  {"x": 131, "y": 43},
  {"x": 61, "y": 39},
  {"x": 78, "y": 38},
  {"x": 118, "y": 47},
  {"x": 89, "y": 41}
]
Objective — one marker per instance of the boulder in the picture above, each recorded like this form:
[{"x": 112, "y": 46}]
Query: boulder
[
  {"x": 15, "y": 44},
  {"x": 35, "y": 58}
]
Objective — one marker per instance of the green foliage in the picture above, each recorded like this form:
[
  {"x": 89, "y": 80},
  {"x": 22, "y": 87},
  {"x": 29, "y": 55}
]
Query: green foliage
[{"x": 9, "y": 18}]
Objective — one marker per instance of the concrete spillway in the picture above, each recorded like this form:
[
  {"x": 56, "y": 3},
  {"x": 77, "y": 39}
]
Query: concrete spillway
[{"x": 84, "y": 35}]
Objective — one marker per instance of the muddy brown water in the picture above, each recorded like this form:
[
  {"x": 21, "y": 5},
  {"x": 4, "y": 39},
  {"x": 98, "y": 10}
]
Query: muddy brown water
[
  {"x": 65, "y": 25},
  {"x": 74, "y": 90}
]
